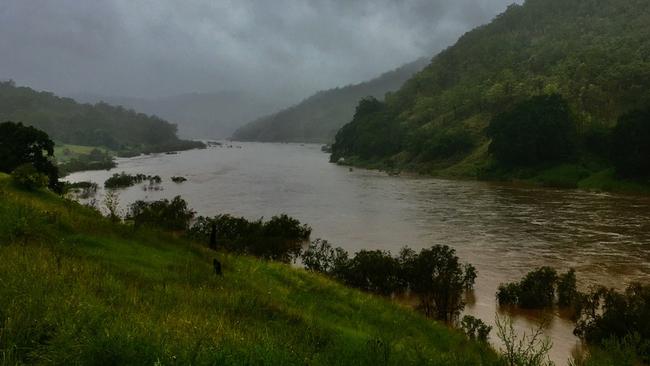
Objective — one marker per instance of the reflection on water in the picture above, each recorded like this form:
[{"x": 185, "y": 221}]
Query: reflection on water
[{"x": 503, "y": 230}]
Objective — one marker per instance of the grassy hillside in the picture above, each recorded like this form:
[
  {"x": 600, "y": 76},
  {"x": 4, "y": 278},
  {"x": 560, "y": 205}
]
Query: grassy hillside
[
  {"x": 91, "y": 125},
  {"x": 77, "y": 289},
  {"x": 318, "y": 117},
  {"x": 594, "y": 53}
]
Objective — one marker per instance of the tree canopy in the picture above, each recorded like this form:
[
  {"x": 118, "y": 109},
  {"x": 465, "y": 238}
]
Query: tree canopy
[{"x": 20, "y": 144}]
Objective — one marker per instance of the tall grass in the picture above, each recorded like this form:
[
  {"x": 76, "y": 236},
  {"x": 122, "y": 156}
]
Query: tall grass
[{"x": 78, "y": 289}]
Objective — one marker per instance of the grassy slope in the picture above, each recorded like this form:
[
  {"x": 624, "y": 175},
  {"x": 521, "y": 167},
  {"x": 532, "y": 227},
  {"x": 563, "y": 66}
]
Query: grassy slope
[
  {"x": 76, "y": 289},
  {"x": 75, "y": 151}
]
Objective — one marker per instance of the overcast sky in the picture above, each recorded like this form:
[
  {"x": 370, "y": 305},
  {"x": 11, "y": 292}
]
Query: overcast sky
[{"x": 167, "y": 47}]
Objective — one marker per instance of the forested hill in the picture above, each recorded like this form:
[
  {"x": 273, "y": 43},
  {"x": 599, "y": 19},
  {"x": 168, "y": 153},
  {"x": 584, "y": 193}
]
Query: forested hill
[
  {"x": 317, "y": 118},
  {"x": 200, "y": 115},
  {"x": 593, "y": 53},
  {"x": 101, "y": 124}
]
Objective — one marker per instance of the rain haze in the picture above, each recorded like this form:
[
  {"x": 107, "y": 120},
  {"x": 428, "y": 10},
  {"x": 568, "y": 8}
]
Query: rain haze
[{"x": 161, "y": 48}]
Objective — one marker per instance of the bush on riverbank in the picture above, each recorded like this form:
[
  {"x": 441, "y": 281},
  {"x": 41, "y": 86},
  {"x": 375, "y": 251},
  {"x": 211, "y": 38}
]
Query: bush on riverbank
[
  {"x": 172, "y": 215},
  {"x": 435, "y": 275},
  {"x": 538, "y": 289},
  {"x": 281, "y": 238}
]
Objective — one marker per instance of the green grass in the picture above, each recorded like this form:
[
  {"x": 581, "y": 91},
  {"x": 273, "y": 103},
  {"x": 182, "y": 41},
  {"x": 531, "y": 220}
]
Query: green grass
[
  {"x": 66, "y": 152},
  {"x": 77, "y": 289}
]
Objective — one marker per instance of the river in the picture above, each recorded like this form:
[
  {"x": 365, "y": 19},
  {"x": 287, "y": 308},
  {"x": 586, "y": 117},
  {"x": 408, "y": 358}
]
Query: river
[{"x": 504, "y": 230}]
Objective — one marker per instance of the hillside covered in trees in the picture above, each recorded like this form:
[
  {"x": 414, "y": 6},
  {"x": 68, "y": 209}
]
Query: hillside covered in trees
[
  {"x": 69, "y": 122},
  {"x": 200, "y": 115},
  {"x": 586, "y": 63},
  {"x": 317, "y": 118}
]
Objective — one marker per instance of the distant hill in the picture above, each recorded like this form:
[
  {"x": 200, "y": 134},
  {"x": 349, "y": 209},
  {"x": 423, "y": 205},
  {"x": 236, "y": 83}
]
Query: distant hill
[
  {"x": 100, "y": 124},
  {"x": 317, "y": 118},
  {"x": 200, "y": 115},
  {"x": 594, "y": 53}
]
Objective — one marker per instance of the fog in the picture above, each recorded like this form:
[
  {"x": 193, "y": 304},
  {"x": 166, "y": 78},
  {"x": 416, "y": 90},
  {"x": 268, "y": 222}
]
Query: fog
[{"x": 150, "y": 48}]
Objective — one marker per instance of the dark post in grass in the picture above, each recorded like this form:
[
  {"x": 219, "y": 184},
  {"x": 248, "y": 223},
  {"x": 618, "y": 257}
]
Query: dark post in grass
[{"x": 217, "y": 267}]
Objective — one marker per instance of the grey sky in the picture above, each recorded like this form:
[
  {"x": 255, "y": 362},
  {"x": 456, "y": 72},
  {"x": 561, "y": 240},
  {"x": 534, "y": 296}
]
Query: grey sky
[{"x": 165, "y": 47}]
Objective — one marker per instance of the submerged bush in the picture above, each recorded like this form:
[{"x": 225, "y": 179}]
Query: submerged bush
[
  {"x": 169, "y": 215},
  {"x": 608, "y": 316},
  {"x": 124, "y": 180},
  {"x": 435, "y": 275},
  {"x": 538, "y": 289},
  {"x": 475, "y": 328},
  {"x": 281, "y": 238}
]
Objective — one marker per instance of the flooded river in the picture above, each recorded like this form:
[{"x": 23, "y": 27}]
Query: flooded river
[{"x": 504, "y": 230}]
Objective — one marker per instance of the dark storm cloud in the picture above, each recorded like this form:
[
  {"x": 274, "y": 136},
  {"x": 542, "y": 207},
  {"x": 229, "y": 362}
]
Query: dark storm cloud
[{"x": 162, "y": 47}]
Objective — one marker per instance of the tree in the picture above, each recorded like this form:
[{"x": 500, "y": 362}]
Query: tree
[
  {"x": 536, "y": 131},
  {"x": 165, "y": 214},
  {"x": 630, "y": 145},
  {"x": 373, "y": 271},
  {"x": 608, "y": 315},
  {"x": 21, "y": 144},
  {"x": 437, "y": 277}
]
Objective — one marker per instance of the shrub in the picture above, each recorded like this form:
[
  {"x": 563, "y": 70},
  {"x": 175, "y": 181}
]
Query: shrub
[
  {"x": 535, "y": 291},
  {"x": 610, "y": 316},
  {"x": 169, "y": 215},
  {"x": 437, "y": 277},
  {"x": 567, "y": 292},
  {"x": 26, "y": 176},
  {"x": 475, "y": 329},
  {"x": 529, "y": 349},
  {"x": 321, "y": 257},
  {"x": 508, "y": 294},
  {"x": 280, "y": 238},
  {"x": 373, "y": 271},
  {"x": 123, "y": 180}
]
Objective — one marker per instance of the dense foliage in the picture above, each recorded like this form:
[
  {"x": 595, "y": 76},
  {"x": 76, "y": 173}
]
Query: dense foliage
[
  {"x": 317, "y": 118},
  {"x": 93, "y": 125},
  {"x": 435, "y": 275},
  {"x": 26, "y": 176},
  {"x": 172, "y": 215},
  {"x": 124, "y": 180},
  {"x": 541, "y": 288},
  {"x": 537, "y": 131},
  {"x": 631, "y": 144},
  {"x": 21, "y": 145},
  {"x": 280, "y": 239},
  {"x": 594, "y": 54},
  {"x": 608, "y": 315}
]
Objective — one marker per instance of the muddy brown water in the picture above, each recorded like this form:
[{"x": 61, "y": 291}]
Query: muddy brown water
[{"x": 504, "y": 230}]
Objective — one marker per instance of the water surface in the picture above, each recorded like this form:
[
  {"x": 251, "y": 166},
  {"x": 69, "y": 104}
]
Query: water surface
[{"x": 504, "y": 230}]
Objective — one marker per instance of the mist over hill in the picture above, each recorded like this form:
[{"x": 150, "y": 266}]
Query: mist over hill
[
  {"x": 595, "y": 55},
  {"x": 317, "y": 118},
  {"x": 200, "y": 115}
]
